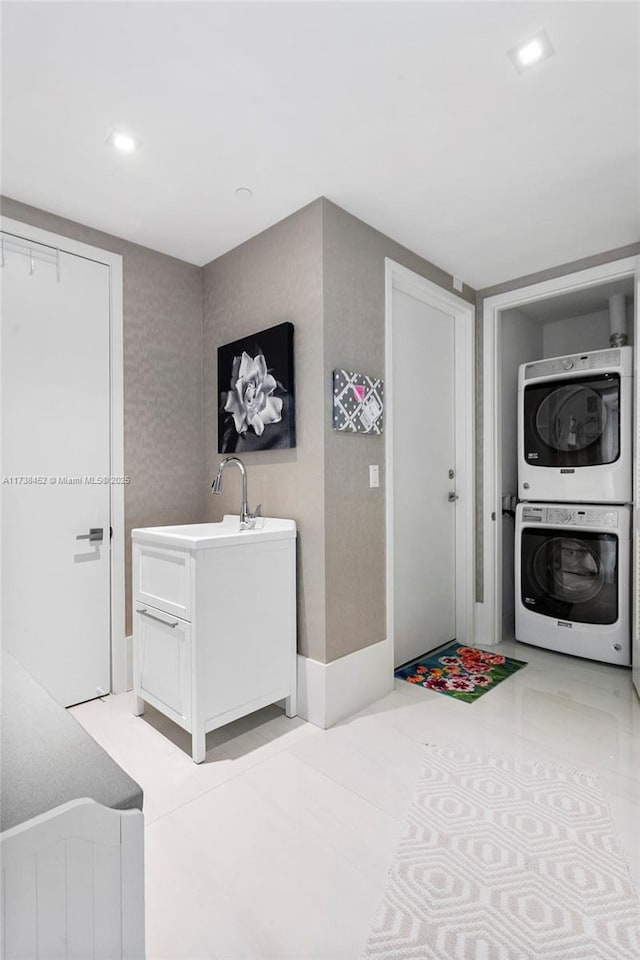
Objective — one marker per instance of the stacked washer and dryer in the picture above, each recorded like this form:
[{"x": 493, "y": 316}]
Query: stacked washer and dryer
[{"x": 573, "y": 521}]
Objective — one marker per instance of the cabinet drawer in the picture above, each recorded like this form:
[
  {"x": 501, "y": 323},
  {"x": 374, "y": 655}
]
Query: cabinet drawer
[
  {"x": 163, "y": 579},
  {"x": 162, "y": 663}
]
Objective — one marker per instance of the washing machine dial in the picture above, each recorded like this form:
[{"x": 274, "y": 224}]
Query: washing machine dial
[
  {"x": 567, "y": 364},
  {"x": 564, "y": 518}
]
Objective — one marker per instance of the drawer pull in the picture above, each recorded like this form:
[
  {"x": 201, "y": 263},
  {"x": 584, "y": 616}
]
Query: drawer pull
[{"x": 151, "y": 616}]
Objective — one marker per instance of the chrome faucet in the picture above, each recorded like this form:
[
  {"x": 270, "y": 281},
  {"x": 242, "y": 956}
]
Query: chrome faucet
[{"x": 247, "y": 519}]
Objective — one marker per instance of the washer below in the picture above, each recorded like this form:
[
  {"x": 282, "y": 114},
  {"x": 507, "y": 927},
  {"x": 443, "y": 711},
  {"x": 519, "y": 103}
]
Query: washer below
[{"x": 572, "y": 577}]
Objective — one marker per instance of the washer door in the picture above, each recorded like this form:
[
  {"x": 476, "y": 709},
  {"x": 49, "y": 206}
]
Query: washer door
[
  {"x": 572, "y": 423},
  {"x": 570, "y": 576}
]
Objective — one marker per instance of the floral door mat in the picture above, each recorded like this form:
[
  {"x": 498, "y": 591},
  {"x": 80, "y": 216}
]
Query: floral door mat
[{"x": 461, "y": 672}]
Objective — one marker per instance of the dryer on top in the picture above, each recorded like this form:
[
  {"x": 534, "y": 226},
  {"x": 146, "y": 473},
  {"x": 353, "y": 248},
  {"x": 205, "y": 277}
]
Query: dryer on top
[{"x": 575, "y": 427}]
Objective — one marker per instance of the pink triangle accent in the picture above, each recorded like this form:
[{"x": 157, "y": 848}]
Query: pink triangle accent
[{"x": 358, "y": 389}]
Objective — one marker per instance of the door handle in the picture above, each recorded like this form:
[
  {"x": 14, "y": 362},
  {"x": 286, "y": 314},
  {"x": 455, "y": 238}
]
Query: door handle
[
  {"x": 152, "y": 616},
  {"x": 452, "y": 496},
  {"x": 95, "y": 535}
]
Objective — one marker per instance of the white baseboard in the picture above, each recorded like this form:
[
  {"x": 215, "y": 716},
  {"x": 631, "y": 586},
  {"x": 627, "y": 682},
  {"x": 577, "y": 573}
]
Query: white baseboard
[
  {"x": 329, "y": 692},
  {"x": 482, "y": 634}
]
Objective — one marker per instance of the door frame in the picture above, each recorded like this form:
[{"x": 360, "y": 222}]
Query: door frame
[
  {"x": 492, "y": 416},
  {"x": 401, "y": 278},
  {"x": 113, "y": 261}
]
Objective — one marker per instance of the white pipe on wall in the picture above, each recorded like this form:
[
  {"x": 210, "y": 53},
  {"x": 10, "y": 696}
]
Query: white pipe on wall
[{"x": 618, "y": 320}]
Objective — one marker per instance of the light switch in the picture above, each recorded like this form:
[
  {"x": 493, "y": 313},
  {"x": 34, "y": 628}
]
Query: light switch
[{"x": 374, "y": 475}]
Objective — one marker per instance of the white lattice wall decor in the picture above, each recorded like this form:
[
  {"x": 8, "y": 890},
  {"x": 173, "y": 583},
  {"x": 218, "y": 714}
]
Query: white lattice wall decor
[{"x": 358, "y": 402}]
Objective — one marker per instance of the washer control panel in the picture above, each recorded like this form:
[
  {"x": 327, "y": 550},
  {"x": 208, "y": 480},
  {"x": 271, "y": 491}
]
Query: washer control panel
[
  {"x": 600, "y": 517},
  {"x": 578, "y": 363}
]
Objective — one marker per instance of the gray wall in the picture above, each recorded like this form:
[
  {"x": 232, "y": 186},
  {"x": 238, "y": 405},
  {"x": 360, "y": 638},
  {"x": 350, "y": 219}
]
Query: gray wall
[
  {"x": 354, "y": 318},
  {"x": 162, "y": 378},
  {"x": 581, "y": 334},
  {"x": 274, "y": 277},
  {"x": 323, "y": 270}
]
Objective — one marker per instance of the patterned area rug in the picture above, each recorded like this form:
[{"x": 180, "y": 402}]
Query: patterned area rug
[
  {"x": 461, "y": 672},
  {"x": 506, "y": 860}
]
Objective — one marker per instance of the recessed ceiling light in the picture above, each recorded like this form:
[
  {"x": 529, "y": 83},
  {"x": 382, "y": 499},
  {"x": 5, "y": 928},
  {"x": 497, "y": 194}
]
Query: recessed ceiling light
[
  {"x": 123, "y": 142},
  {"x": 243, "y": 193},
  {"x": 530, "y": 52}
]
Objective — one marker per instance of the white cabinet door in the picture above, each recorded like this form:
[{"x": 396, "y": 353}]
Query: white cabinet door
[
  {"x": 162, "y": 662},
  {"x": 55, "y": 435}
]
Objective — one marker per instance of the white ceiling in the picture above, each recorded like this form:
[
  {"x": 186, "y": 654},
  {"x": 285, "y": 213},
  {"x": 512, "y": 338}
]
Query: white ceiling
[{"x": 409, "y": 115}]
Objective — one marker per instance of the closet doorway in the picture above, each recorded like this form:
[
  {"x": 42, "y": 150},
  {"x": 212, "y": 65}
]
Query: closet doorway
[
  {"x": 62, "y": 463},
  {"x": 551, "y": 318}
]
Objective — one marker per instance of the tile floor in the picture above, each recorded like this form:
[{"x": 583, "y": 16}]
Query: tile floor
[{"x": 278, "y": 845}]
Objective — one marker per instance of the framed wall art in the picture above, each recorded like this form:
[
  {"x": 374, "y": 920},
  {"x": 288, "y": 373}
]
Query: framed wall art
[
  {"x": 256, "y": 392},
  {"x": 358, "y": 402}
]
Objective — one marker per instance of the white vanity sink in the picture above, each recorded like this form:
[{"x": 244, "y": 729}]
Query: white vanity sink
[
  {"x": 214, "y": 621},
  {"x": 197, "y": 536}
]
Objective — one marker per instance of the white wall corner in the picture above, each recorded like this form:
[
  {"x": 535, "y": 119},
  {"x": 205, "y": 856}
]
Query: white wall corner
[
  {"x": 125, "y": 682},
  {"x": 311, "y": 691},
  {"x": 329, "y": 692}
]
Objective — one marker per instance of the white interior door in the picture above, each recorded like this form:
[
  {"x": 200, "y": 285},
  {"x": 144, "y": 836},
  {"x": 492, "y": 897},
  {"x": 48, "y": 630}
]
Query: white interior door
[
  {"x": 424, "y": 476},
  {"x": 635, "y": 588},
  {"x": 55, "y": 450}
]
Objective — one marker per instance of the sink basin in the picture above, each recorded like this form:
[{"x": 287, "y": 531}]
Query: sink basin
[{"x": 200, "y": 536}]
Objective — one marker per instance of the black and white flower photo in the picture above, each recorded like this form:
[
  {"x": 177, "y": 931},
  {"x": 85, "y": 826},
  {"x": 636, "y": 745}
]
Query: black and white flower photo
[{"x": 255, "y": 383}]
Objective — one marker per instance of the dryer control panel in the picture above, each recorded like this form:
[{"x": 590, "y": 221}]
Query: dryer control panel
[
  {"x": 578, "y": 363},
  {"x": 598, "y": 517}
]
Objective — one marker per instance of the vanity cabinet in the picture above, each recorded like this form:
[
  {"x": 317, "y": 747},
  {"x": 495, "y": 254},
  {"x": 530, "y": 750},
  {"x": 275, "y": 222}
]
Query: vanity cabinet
[{"x": 214, "y": 622}]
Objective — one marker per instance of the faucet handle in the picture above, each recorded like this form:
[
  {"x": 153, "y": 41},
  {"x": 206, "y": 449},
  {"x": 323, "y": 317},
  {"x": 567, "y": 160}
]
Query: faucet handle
[{"x": 249, "y": 522}]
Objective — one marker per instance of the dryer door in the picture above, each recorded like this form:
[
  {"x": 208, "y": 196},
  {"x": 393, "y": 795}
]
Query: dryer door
[
  {"x": 572, "y": 423},
  {"x": 570, "y": 575}
]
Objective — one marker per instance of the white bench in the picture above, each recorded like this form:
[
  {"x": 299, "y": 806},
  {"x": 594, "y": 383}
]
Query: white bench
[{"x": 72, "y": 840}]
